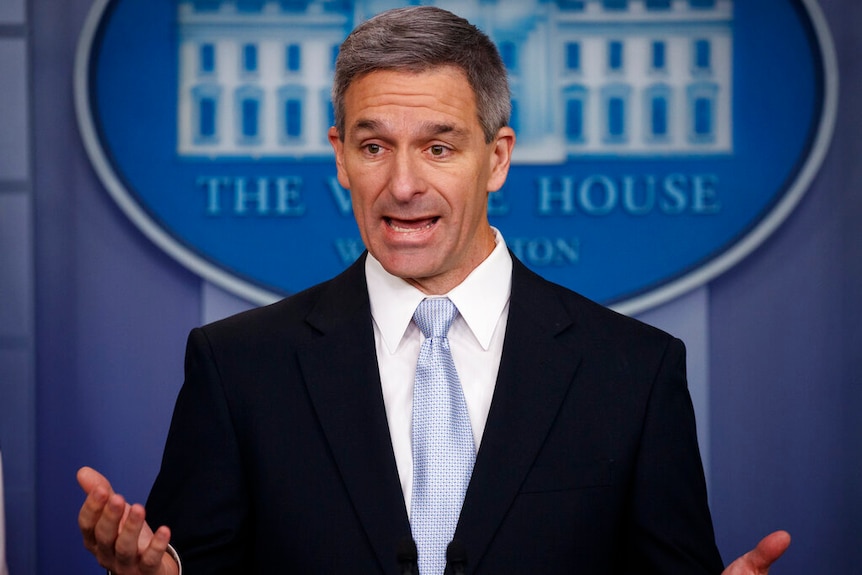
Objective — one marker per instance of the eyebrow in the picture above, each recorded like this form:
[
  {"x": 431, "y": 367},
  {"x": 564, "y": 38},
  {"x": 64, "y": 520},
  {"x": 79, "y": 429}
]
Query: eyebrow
[{"x": 427, "y": 129}]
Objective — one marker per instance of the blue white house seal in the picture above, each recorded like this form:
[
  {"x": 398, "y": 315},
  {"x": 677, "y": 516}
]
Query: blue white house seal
[{"x": 659, "y": 141}]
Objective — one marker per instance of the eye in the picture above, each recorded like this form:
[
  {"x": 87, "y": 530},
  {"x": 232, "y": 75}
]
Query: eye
[
  {"x": 437, "y": 150},
  {"x": 373, "y": 149}
]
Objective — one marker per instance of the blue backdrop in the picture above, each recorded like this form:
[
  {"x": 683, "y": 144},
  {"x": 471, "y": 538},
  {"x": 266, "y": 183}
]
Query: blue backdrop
[{"x": 111, "y": 313}]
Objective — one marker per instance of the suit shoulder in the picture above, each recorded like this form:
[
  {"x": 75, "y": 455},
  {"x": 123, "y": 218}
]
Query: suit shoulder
[
  {"x": 586, "y": 315},
  {"x": 283, "y": 312},
  {"x": 605, "y": 319},
  {"x": 291, "y": 317}
]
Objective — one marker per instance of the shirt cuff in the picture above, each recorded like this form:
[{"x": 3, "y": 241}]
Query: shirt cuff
[{"x": 174, "y": 555}]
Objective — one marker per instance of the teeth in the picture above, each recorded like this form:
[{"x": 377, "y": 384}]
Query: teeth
[{"x": 402, "y": 229}]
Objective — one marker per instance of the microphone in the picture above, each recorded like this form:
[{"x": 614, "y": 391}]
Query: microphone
[
  {"x": 456, "y": 557},
  {"x": 407, "y": 556}
]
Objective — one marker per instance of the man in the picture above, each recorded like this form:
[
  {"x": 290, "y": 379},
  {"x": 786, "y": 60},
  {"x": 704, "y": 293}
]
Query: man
[{"x": 294, "y": 445}]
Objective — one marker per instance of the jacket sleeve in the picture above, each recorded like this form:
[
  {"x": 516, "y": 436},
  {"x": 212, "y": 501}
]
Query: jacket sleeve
[
  {"x": 670, "y": 527},
  {"x": 200, "y": 492}
]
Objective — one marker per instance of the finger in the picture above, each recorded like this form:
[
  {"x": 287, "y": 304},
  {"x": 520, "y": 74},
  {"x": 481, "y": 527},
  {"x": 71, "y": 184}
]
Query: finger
[
  {"x": 769, "y": 549},
  {"x": 89, "y": 479},
  {"x": 153, "y": 555},
  {"x": 108, "y": 525},
  {"x": 91, "y": 512},
  {"x": 126, "y": 546}
]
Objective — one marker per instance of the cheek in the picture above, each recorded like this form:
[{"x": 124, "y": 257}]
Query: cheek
[
  {"x": 361, "y": 207},
  {"x": 363, "y": 221},
  {"x": 476, "y": 204},
  {"x": 363, "y": 200},
  {"x": 369, "y": 187}
]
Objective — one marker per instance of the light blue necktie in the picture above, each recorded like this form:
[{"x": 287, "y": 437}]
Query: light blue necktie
[{"x": 443, "y": 450}]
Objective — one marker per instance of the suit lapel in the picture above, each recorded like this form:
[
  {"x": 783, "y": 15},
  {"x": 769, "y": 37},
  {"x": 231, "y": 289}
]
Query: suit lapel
[
  {"x": 340, "y": 369},
  {"x": 536, "y": 371}
]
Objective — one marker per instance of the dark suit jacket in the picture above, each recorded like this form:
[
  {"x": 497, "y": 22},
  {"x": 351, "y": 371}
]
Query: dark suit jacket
[{"x": 279, "y": 459}]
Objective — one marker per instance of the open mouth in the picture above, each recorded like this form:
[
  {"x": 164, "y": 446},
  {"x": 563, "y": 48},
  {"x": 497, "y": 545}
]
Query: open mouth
[{"x": 410, "y": 226}]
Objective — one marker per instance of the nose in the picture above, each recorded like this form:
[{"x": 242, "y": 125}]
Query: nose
[{"x": 405, "y": 178}]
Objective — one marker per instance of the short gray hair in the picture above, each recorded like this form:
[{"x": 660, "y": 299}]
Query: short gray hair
[{"x": 418, "y": 39}]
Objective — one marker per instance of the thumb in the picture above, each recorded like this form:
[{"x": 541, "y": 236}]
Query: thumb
[{"x": 768, "y": 550}]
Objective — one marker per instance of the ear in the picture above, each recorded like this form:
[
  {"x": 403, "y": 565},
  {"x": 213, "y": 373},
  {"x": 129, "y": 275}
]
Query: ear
[
  {"x": 338, "y": 147},
  {"x": 501, "y": 158}
]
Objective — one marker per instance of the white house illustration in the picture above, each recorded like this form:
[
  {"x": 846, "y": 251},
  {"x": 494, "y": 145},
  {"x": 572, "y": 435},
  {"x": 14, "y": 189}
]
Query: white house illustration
[{"x": 588, "y": 77}]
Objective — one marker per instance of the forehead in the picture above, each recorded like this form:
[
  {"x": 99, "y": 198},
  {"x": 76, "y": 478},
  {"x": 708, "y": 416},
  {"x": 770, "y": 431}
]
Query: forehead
[{"x": 438, "y": 94}]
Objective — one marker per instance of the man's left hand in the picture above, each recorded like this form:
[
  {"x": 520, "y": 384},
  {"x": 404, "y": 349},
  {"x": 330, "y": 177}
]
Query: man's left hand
[{"x": 760, "y": 559}]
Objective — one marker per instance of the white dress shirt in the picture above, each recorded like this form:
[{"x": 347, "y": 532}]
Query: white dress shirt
[{"x": 475, "y": 337}]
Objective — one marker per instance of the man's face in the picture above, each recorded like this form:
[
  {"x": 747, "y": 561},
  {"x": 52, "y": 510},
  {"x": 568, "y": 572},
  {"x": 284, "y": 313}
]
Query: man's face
[{"x": 419, "y": 171}]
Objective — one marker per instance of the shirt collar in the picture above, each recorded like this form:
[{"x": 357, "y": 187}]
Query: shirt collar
[{"x": 480, "y": 298}]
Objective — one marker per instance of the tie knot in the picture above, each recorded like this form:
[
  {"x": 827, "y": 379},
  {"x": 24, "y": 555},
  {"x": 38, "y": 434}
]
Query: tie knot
[{"x": 434, "y": 316}]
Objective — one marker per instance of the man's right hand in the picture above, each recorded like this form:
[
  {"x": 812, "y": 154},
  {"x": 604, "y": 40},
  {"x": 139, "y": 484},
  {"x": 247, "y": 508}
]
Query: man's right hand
[{"x": 117, "y": 534}]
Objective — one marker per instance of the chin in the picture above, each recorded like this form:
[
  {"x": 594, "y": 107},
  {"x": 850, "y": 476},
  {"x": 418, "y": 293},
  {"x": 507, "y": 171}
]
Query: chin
[{"x": 402, "y": 267}]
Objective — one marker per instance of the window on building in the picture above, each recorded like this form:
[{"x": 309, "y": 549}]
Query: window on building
[
  {"x": 249, "y": 5},
  {"x": 207, "y": 58},
  {"x": 293, "y": 118},
  {"x": 575, "y": 120},
  {"x": 702, "y": 55},
  {"x": 249, "y": 58},
  {"x": 573, "y": 56},
  {"x": 615, "y": 101},
  {"x": 658, "y": 4},
  {"x": 659, "y": 55},
  {"x": 615, "y": 4},
  {"x": 205, "y": 114},
  {"x": 249, "y": 102},
  {"x": 571, "y": 4},
  {"x": 702, "y": 117},
  {"x": 575, "y": 98},
  {"x": 293, "y": 58},
  {"x": 658, "y": 117},
  {"x": 509, "y": 55},
  {"x": 294, "y": 5},
  {"x": 292, "y": 113},
  {"x": 616, "y": 117},
  {"x": 702, "y": 112},
  {"x": 657, "y": 113},
  {"x": 615, "y": 55},
  {"x": 206, "y": 5},
  {"x": 207, "y": 117},
  {"x": 250, "y": 111}
]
